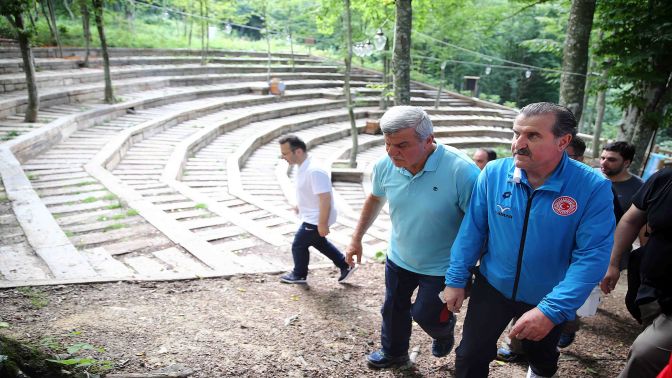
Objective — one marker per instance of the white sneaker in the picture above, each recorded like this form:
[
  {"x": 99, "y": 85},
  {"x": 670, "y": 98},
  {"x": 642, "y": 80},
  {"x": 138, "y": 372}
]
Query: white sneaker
[{"x": 530, "y": 374}]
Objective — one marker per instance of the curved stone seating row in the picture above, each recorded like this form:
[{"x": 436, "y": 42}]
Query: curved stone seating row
[
  {"x": 15, "y": 82},
  {"x": 15, "y": 65},
  {"x": 78, "y": 52}
]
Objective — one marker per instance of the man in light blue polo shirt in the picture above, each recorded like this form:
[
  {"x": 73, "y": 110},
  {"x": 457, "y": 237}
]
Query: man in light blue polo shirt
[{"x": 428, "y": 187}]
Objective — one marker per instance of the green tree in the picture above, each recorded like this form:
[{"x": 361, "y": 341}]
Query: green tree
[
  {"x": 14, "y": 11},
  {"x": 637, "y": 46}
]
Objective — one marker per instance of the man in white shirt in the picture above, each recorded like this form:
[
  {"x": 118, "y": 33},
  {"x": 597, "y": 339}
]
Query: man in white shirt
[{"x": 315, "y": 206}]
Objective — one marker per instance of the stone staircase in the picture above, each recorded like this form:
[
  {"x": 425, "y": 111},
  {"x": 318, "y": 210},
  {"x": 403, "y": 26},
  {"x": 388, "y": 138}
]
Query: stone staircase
[{"x": 181, "y": 178}]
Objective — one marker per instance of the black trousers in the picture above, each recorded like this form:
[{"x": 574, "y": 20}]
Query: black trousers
[{"x": 487, "y": 316}]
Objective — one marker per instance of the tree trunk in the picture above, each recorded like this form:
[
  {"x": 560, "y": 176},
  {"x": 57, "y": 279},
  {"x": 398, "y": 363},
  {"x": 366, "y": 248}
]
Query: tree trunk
[
  {"x": 401, "y": 63},
  {"x": 346, "y": 83},
  {"x": 601, "y": 105},
  {"x": 98, "y": 13},
  {"x": 575, "y": 55},
  {"x": 646, "y": 120},
  {"x": 86, "y": 27},
  {"x": 52, "y": 17},
  {"x": 28, "y": 68},
  {"x": 67, "y": 7}
]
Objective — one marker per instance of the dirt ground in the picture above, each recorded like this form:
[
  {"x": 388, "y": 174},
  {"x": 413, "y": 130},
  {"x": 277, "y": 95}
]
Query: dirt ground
[{"x": 255, "y": 326}]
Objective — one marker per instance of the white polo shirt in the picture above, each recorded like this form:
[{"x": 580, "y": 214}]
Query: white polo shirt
[{"x": 312, "y": 180}]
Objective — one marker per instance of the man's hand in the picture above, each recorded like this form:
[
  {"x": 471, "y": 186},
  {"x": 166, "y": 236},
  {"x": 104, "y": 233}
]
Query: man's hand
[
  {"x": 354, "y": 249},
  {"x": 533, "y": 325},
  {"x": 610, "y": 279},
  {"x": 323, "y": 230},
  {"x": 454, "y": 297}
]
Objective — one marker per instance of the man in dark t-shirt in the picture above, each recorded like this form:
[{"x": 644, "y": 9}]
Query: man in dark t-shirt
[{"x": 615, "y": 160}]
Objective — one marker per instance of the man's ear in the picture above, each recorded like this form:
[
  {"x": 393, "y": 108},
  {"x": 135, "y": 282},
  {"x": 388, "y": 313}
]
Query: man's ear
[
  {"x": 627, "y": 163},
  {"x": 563, "y": 141}
]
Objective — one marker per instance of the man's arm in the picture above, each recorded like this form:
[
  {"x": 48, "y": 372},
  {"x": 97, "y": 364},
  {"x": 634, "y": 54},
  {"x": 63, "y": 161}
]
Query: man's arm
[
  {"x": 371, "y": 209},
  {"x": 325, "y": 208},
  {"x": 625, "y": 235}
]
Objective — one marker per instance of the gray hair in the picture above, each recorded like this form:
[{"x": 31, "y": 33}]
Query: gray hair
[
  {"x": 565, "y": 122},
  {"x": 403, "y": 117}
]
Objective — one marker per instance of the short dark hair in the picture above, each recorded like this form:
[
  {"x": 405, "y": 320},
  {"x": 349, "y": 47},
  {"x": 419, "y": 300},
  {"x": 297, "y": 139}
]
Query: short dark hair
[
  {"x": 492, "y": 155},
  {"x": 578, "y": 145},
  {"x": 294, "y": 142},
  {"x": 626, "y": 149},
  {"x": 565, "y": 122}
]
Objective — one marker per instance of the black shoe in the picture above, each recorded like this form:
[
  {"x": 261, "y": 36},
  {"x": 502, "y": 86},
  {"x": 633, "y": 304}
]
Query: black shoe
[
  {"x": 293, "y": 279},
  {"x": 566, "y": 339},
  {"x": 380, "y": 360},
  {"x": 441, "y": 348},
  {"x": 346, "y": 274}
]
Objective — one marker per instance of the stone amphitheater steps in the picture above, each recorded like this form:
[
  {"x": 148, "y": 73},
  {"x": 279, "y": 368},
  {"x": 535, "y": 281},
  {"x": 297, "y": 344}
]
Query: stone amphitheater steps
[
  {"x": 69, "y": 179},
  {"x": 196, "y": 217}
]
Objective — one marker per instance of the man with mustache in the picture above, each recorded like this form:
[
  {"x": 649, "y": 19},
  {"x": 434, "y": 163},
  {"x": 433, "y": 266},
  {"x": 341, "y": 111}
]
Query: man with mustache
[
  {"x": 427, "y": 186},
  {"x": 549, "y": 222}
]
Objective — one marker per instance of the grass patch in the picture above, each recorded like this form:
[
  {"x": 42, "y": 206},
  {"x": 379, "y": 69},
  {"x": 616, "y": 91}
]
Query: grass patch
[
  {"x": 113, "y": 206},
  {"x": 3, "y": 198},
  {"x": 74, "y": 353},
  {"x": 32, "y": 177},
  {"x": 37, "y": 297},
  {"x": 10, "y": 135},
  {"x": 89, "y": 199},
  {"x": 110, "y": 197},
  {"x": 118, "y": 216},
  {"x": 201, "y": 206},
  {"x": 85, "y": 183},
  {"x": 114, "y": 226},
  {"x": 69, "y": 234},
  {"x": 132, "y": 212}
]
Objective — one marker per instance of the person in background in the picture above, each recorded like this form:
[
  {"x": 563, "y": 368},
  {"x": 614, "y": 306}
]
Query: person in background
[
  {"x": 482, "y": 156},
  {"x": 316, "y": 210}
]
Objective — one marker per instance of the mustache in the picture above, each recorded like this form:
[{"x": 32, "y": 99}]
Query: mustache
[{"x": 523, "y": 151}]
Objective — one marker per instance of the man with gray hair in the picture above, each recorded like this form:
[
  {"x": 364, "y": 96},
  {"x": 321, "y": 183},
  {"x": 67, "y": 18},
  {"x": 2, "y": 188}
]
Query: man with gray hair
[
  {"x": 428, "y": 187},
  {"x": 549, "y": 225}
]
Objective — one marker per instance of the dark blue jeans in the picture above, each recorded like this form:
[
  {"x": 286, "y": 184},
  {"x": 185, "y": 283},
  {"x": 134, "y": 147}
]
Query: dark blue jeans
[
  {"x": 487, "y": 316},
  {"x": 398, "y": 311},
  {"x": 307, "y": 236}
]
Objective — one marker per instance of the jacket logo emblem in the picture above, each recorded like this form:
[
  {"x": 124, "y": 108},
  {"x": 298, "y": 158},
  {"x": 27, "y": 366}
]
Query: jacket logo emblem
[
  {"x": 501, "y": 211},
  {"x": 564, "y": 206}
]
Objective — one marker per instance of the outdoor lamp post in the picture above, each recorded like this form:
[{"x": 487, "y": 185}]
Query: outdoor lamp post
[
  {"x": 528, "y": 73},
  {"x": 488, "y": 69},
  {"x": 380, "y": 42},
  {"x": 443, "y": 78},
  {"x": 228, "y": 28}
]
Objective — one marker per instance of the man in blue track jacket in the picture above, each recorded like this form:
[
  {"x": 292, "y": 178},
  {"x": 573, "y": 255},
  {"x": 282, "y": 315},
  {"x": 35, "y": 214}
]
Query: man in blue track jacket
[{"x": 548, "y": 222}]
